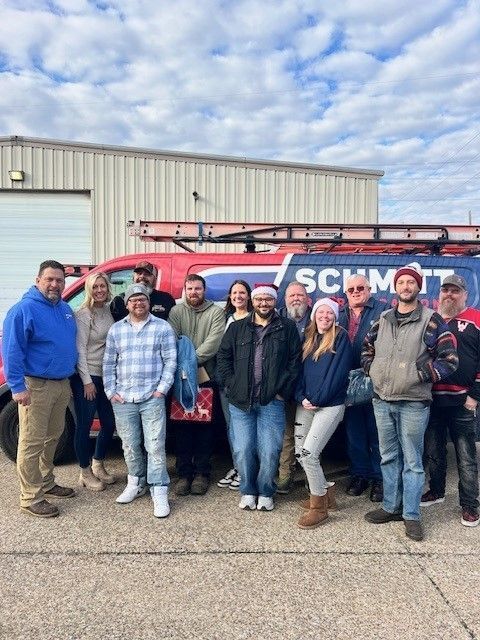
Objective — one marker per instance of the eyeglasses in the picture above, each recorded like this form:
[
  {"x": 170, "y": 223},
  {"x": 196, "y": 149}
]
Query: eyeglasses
[
  {"x": 264, "y": 300},
  {"x": 359, "y": 289}
]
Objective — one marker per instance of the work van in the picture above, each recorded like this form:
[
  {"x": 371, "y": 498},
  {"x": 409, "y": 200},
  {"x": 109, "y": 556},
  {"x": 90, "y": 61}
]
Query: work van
[{"x": 323, "y": 272}]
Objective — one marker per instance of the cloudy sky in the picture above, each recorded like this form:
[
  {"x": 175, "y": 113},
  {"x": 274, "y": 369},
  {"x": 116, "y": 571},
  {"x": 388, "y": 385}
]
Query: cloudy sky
[{"x": 361, "y": 83}]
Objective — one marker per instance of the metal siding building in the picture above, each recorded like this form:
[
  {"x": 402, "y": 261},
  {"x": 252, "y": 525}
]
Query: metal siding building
[{"x": 94, "y": 190}]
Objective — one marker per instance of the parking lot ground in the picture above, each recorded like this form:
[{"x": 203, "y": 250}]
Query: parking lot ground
[{"x": 211, "y": 571}]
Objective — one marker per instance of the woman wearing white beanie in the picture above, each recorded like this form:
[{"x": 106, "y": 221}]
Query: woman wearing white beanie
[{"x": 321, "y": 392}]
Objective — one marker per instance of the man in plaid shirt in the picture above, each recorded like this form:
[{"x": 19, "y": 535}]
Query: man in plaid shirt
[{"x": 138, "y": 370}]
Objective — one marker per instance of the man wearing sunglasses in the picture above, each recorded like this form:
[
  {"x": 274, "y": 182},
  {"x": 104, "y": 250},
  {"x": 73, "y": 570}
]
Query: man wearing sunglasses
[{"x": 357, "y": 316}]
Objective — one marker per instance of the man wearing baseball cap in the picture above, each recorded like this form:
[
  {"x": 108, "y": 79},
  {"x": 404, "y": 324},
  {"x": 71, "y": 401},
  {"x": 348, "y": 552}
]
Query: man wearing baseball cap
[
  {"x": 258, "y": 363},
  {"x": 161, "y": 302},
  {"x": 407, "y": 350},
  {"x": 454, "y": 406}
]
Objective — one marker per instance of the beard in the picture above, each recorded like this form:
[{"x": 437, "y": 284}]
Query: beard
[
  {"x": 449, "y": 308},
  {"x": 195, "y": 301},
  {"x": 146, "y": 283},
  {"x": 297, "y": 312},
  {"x": 265, "y": 314},
  {"x": 408, "y": 297}
]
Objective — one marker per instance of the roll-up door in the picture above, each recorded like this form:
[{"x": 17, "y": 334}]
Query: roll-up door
[{"x": 36, "y": 227}]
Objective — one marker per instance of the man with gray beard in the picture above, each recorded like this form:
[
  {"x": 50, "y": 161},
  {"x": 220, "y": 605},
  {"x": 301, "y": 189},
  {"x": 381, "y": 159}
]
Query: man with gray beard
[
  {"x": 298, "y": 309},
  {"x": 454, "y": 406}
]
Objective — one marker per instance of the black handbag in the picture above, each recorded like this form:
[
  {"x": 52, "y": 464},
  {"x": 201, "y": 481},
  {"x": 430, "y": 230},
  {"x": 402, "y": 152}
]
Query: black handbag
[{"x": 360, "y": 388}]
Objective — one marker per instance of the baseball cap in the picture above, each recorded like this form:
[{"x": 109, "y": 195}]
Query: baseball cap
[
  {"x": 136, "y": 290},
  {"x": 456, "y": 281},
  {"x": 143, "y": 265}
]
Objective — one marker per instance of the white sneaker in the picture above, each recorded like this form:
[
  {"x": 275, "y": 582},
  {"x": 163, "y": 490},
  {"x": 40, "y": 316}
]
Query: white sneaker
[
  {"x": 235, "y": 483},
  {"x": 264, "y": 503},
  {"x": 248, "y": 502},
  {"x": 161, "y": 508},
  {"x": 225, "y": 482},
  {"x": 134, "y": 489}
]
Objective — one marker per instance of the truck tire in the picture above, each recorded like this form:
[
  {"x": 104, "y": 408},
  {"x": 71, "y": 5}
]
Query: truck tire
[{"x": 9, "y": 434}]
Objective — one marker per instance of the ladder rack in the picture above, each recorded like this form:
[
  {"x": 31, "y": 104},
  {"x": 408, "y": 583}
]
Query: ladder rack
[{"x": 328, "y": 238}]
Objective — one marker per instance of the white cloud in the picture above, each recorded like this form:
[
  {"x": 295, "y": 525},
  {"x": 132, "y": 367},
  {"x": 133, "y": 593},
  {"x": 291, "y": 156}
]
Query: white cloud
[{"x": 359, "y": 83}]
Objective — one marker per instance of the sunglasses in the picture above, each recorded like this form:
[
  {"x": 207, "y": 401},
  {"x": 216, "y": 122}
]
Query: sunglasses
[{"x": 359, "y": 289}]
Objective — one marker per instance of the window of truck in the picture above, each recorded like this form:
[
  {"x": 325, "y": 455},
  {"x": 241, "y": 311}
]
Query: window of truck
[{"x": 118, "y": 279}]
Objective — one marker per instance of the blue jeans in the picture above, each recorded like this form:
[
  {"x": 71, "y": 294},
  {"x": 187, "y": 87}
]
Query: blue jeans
[
  {"x": 85, "y": 412},
  {"x": 460, "y": 423},
  {"x": 401, "y": 430},
  {"x": 257, "y": 438},
  {"x": 362, "y": 442},
  {"x": 149, "y": 417}
]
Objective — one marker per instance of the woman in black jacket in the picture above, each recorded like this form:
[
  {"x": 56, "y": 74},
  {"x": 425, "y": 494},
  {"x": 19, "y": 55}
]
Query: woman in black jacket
[{"x": 321, "y": 392}]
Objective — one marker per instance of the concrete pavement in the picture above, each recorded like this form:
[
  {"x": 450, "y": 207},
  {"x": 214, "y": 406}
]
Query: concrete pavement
[{"x": 211, "y": 571}]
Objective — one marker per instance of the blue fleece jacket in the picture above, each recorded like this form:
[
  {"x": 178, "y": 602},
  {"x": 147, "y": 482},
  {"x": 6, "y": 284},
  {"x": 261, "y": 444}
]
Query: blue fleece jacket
[
  {"x": 324, "y": 382},
  {"x": 369, "y": 314},
  {"x": 39, "y": 339},
  {"x": 185, "y": 385}
]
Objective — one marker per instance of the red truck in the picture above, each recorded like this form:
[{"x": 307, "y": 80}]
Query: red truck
[{"x": 319, "y": 256}]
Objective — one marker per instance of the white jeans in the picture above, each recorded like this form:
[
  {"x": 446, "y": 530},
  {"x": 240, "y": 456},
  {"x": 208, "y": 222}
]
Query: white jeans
[{"x": 313, "y": 429}]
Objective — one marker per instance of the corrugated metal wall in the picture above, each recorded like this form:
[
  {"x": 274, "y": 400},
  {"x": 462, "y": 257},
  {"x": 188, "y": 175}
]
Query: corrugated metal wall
[{"x": 127, "y": 184}]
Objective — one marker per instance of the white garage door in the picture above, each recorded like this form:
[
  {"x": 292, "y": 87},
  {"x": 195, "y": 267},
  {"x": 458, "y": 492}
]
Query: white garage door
[{"x": 36, "y": 227}]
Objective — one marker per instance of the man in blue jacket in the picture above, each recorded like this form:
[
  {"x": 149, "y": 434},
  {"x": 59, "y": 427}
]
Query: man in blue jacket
[
  {"x": 39, "y": 356},
  {"x": 357, "y": 316}
]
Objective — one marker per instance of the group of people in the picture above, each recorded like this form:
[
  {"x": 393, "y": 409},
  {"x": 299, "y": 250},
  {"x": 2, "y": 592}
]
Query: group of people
[{"x": 280, "y": 376}]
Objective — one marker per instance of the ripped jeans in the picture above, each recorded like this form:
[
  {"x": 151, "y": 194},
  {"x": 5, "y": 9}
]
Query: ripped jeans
[
  {"x": 313, "y": 429},
  {"x": 143, "y": 424}
]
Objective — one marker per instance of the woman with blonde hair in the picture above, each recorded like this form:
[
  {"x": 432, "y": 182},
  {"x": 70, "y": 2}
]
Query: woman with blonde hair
[
  {"x": 93, "y": 322},
  {"x": 321, "y": 393}
]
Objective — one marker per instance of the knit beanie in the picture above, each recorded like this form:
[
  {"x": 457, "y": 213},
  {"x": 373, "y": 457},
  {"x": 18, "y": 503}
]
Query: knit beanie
[
  {"x": 327, "y": 301},
  {"x": 413, "y": 269}
]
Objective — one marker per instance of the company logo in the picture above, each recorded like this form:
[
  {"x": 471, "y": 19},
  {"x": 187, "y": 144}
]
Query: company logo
[{"x": 331, "y": 281}]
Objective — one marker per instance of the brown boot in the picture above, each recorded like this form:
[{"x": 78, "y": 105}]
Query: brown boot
[
  {"x": 316, "y": 515},
  {"x": 88, "y": 480},
  {"x": 99, "y": 471},
  {"x": 331, "y": 500}
]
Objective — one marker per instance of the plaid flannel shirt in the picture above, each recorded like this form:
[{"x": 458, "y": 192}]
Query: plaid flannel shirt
[{"x": 136, "y": 364}]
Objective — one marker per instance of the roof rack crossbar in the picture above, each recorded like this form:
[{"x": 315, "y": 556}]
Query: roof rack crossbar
[{"x": 433, "y": 239}]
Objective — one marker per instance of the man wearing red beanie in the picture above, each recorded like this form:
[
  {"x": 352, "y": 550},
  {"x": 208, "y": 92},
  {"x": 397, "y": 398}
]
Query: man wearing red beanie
[{"x": 407, "y": 350}]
